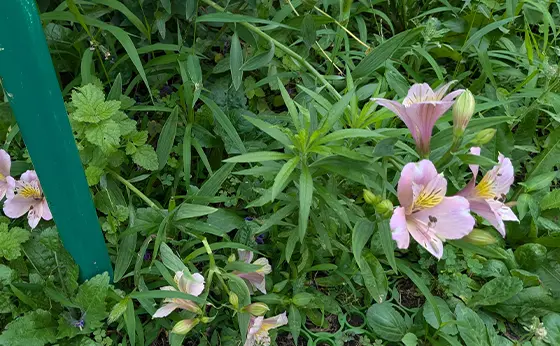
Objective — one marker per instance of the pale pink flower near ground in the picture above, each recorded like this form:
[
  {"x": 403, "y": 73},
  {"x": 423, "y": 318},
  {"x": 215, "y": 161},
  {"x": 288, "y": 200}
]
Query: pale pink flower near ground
[
  {"x": 28, "y": 198},
  {"x": 420, "y": 110},
  {"x": 257, "y": 335},
  {"x": 425, "y": 212},
  {"x": 193, "y": 285},
  {"x": 488, "y": 196},
  {"x": 7, "y": 183},
  {"x": 256, "y": 279}
]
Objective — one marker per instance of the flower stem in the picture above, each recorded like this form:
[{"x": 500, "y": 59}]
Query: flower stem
[{"x": 449, "y": 153}]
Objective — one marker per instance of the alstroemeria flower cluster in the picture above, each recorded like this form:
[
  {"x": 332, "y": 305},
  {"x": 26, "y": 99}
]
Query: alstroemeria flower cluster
[
  {"x": 22, "y": 196},
  {"x": 426, "y": 213}
]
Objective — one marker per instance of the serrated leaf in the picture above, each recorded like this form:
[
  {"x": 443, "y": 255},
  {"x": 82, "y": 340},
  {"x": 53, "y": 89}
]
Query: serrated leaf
[
  {"x": 91, "y": 300},
  {"x": 11, "y": 240},
  {"x": 551, "y": 200},
  {"x": 106, "y": 135},
  {"x": 146, "y": 157},
  {"x": 36, "y": 328},
  {"x": 93, "y": 175},
  {"x": 90, "y": 105}
]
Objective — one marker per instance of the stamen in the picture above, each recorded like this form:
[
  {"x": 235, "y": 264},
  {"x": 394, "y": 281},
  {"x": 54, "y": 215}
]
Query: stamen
[{"x": 29, "y": 191}]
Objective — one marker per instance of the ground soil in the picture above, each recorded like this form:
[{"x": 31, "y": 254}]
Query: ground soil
[
  {"x": 410, "y": 296},
  {"x": 333, "y": 326}
]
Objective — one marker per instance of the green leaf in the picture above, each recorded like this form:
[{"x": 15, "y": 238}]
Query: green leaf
[
  {"x": 294, "y": 321},
  {"x": 130, "y": 321},
  {"x": 290, "y": 104},
  {"x": 374, "y": 276},
  {"x": 496, "y": 291},
  {"x": 469, "y": 159},
  {"x": 170, "y": 260},
  {"x": 106, "y": 135},
  {"x": 386, "y": 322},
  {"x": 529, "y": 279},
  {"x": 91, "y": 300},
  {"x": 551, "y": 200},
  {"x": 118, "y": 310},
  {"x": 410, "y": 339},
  {"x": 336, "y": 111},
  {"x": 529, "y": 302},
  {"x": 530, "y": 256},
  {"x": 167, "y": 6},
  {"x": 167, "y": 138},
  {"x": 225, "y": 17},
  {"x": 260, "y": 60},
  {"x": 93, "y": 175},
  {"x": 471, "y": 327},
  {"x": 260, "y": 156},
  {"x": 186, "y": 211},
  {"x": 361, "y": 133},
  {"x": 387, "y": 243},
  {"x": 480, "y": 33},
  {"x": 90, "y": 105},
  {"x": 446, "y": 316},
  {"x": 308, "y": 32},
  {"x": 236, "y": 61},
  {"x": 36, "y": 328},
  {"x": 225, "y": 123},
  {"x": 547, "y": 159},
  {"x": 540, "y": 181},
  {"x": 11, "y": 240},
  {"x": 146, "y": 157},
  {"x": 552, "y": 324},
  {"x": 271, "y": 130},
  {"x": 380, "y": 54},
  {"x": 360, "y": 236},
  {"x": 305, "y": 200},
  {"x": 86, "y": 67},
  {"x": 125, "y": 254},
  {"x": 119, "y": 6},
  {"x": 283, "y": 175}
]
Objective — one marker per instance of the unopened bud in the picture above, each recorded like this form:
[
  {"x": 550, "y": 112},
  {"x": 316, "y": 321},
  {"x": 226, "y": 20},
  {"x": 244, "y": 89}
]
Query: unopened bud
[
  {"x": 463, "y": 110},
  {"x": 207, "y": 319},
  {"x": 384, "y": 208},
  {"x": 256, "y": 309},
  {"x": 480, "y": 237},
  {"x": 483, "y": 137},
  {"x": 234, "y": 299},
  {"x": 231, "y": 258},
  {"x": 371, "y": 198},
  {"x": 185, "y": 326}
]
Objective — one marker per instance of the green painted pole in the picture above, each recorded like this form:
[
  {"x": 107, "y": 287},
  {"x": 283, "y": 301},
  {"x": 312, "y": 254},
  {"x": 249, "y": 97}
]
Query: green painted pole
[{"x": 32, "y": 88}]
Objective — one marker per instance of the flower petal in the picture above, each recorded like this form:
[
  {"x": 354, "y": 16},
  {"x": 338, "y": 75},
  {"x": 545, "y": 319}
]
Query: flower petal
[
  {"x": 195, "y": 285},
  {"x": 419, "y": 93},
  {"x": 440, "y": 92},
  {"x": 482, "y": 207},
  {"x": 17, "y": 206},
  {"x": 266, "y": 268},
  {"x": 421, "y": 173},
  {"x": 29, "y": 176},
  {"x": 165, "y": 310},
  {"x": 452, "y": 95},
  {"x": 504, "y": 175},
  {"x": 245, "y": 255},
  {"x": 46, "y": 215},
  {"x": 399, "y": 228},
  {"x": 255, "y": 325},
  {"x": 10, "y": 186},
  {"x": 426, "y": 237},
  {"x": 274, "y": 322},
  {"x": 5, "y": 163},
  {"x": 429, "y": 195},
  {"x": 34, "y": 215},
  {"x": 452, "y": 216}
]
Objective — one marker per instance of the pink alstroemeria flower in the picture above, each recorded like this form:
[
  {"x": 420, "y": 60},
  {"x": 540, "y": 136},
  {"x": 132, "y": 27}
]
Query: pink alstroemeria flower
[
  {"x": 425, "y": 212},
  {"x": 7, "y": 183},
  {"x": 193, "y": 285},
  {"x": 488, "y": 196},
  {"x": 257, "y": 335},
  {"x": 256, "y": 279},
  {"x": 420, "y": 110},
  {"x": 28, "y": 199}
]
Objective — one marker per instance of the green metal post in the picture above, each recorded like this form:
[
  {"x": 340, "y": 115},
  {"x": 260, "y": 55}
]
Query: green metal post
[{"x": 32, "y": 88}]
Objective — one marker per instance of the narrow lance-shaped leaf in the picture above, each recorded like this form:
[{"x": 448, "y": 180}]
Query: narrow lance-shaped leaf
[
  {"x": 236, "y": 61},
  {"x": 167, "y": 138},
  {"x": 305, "y": 199},
  {"x": 283, "y": 175},
  {"x": 292, "y": 109}
]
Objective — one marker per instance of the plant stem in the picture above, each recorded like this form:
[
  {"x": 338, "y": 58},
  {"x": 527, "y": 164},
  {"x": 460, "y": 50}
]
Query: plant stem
[
  {"x": 284, "y": 48},
  {"x": 135, "y": 190},
  {"x": 449, "y": 153}
]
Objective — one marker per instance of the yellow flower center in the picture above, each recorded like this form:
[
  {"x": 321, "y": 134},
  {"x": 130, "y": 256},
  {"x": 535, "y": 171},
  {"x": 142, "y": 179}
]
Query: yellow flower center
[
  {"x": 484, "y": 188},
  {"x": 427, "y": 199},
  {"x": 2, "y": 177},
  {"x": 29, "y": 191}
]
